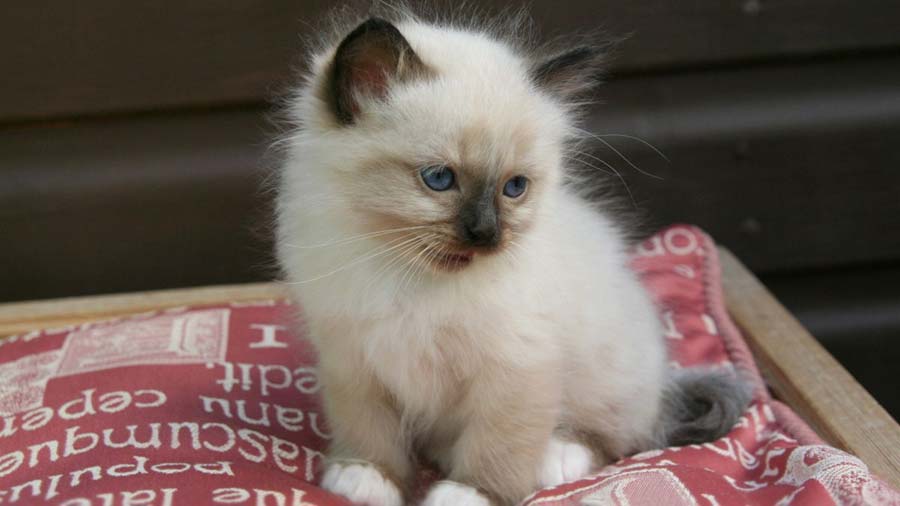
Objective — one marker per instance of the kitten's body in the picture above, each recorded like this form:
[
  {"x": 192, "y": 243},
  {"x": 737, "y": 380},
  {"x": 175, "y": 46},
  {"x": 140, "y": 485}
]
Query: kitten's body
[{"x": 504, "y": 369}]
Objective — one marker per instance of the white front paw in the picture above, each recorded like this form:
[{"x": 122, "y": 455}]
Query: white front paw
[
  {"x": 451, "y": 493},
  {"x": 563, "y": 462},
  {"x": 362, "y": 483}
]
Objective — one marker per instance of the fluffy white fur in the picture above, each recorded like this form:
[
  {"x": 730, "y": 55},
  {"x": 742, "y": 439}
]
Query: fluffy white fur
[
  {"x": 448, "y": 493},
  {"x": 551, "y": 334},
  {"x": 564, "y": 461},
  {"x": 361, "y": 483}
]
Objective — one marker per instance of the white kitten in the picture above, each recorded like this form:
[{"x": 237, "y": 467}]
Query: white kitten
[{"x": 468, "y": 307}]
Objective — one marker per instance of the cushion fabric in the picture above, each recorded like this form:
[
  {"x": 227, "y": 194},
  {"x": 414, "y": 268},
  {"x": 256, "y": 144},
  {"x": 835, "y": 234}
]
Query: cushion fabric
[{"x": 219, "y": 405}]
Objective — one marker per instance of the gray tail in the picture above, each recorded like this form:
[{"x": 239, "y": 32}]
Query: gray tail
[{"x": 701, "y": 405}]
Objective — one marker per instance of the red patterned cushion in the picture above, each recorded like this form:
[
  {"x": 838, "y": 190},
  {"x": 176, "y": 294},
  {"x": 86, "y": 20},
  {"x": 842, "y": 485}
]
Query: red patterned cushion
[{"x": 218, "y": 405}]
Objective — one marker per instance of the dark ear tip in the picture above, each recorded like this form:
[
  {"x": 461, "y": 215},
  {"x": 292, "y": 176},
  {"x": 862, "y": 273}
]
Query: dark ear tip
[
  {"x": 373, "y": 25},
  {"x": 376, "y": 22},
  {"x": 581, "y": 56},
  {"x": 573, "y": 72},
  {"x": 371, "y": 56}
]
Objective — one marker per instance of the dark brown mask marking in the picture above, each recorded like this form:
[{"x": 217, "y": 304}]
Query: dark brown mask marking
[{"x": 479, "y": 225}]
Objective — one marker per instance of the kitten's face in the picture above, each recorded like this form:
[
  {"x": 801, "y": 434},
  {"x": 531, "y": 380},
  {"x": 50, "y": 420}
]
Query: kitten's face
[
  {"x": 443, "y": 164},
  {"x": 466, "y": 182}
]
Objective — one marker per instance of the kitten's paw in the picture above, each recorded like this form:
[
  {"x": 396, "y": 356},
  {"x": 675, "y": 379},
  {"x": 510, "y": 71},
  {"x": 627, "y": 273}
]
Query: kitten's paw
[
  {"x": 362, "y": 483},
  {"x": 451, "y": 493},
  {"x": 564, "y": 461}
]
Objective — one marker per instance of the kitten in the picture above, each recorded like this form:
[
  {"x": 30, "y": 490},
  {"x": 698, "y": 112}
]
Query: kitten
[{"x": 468, "y": 307}]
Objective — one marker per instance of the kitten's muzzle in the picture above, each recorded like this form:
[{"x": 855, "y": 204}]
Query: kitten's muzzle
[
  {"x": 479, "y": 226},
  {"x": 453, "y": 261},
  {"x": 480, "y": 235}
]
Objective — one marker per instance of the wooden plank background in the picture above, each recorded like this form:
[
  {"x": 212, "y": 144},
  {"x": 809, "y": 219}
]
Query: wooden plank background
[
  {"x": 771, "y": 160},
  {"x": 116, "y": 205},
  {"x": 64, "y": 58},
  {"x": 133, "y": 141},
  {"x": 792, "y": 166}
]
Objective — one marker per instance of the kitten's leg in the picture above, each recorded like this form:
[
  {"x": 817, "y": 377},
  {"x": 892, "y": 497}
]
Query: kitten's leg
[
  {"x": 362, "y": 483},
  {"x": 368, "y": 459},
  {"x": 565, "y": 460},
  {"x": 613, "y": 426},
  {"x": 614, "y": 406},
  {"x": 509, "y": 417},
  {"x": 453, "y": 493}
]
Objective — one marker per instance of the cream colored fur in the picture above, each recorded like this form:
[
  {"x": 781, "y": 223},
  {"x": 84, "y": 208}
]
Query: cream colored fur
[{"x": 475, "y": 369}]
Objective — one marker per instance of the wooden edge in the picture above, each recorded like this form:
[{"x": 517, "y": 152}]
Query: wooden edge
[
  {"x": 804, "y": 375},
  {"x": 18, "y": 317}
]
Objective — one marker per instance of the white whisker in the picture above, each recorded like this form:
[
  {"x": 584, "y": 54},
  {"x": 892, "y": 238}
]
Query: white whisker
[
  {"x": 622, "y": 156},
  {"x": 616, "y": 172},
  {"x": 514, "y": 245},
  {"x": 423, "y": 243},
  {"x": 579, "y": 160},
  {"x": 429, "y": 256},
  {"x": 355, "y": 238},
  {"x": 398, "y": 256},
  {"x": 413, "y": 266},
  {"x": 359, "y": 260},
  {"x": 642, "y": 141}
]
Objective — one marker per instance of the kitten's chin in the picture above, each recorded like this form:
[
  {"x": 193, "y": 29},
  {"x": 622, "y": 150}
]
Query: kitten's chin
[{"x": 452, "y": 261}]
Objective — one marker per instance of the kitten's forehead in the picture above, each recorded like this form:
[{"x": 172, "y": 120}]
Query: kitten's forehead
[
  {"x": 489, "y": 149},
  {"x": 478, "y": 110},
  {"x": 460, "y": 124}
]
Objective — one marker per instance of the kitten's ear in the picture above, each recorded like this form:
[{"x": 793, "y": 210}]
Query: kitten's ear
[
  {"x": 367, "y": 61},
  {"x": 571, "y": 73}
]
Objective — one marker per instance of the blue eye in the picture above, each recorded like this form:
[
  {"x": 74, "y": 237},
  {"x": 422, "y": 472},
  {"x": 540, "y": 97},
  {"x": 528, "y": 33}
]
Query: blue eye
[
  {"x": 438, "y": 177},
  {"x": 515, "y": 186}
]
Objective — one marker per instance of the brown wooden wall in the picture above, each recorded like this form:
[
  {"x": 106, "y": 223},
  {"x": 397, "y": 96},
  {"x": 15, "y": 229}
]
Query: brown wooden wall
[
  {"x": 68, "y": 58},
  {"x": 133, "y": 141}
]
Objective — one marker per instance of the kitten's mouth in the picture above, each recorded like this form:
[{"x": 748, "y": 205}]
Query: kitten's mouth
[{"x": 452, "y": 261}]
